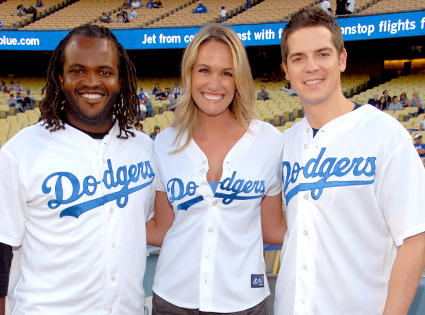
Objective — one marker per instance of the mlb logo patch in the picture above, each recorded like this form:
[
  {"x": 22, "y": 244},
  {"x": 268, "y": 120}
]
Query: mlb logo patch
[{"x": 257, "y": 281}]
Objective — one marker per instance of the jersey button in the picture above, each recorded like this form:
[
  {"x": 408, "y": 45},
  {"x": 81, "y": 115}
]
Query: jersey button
[
  {"x": 203, "y": 171},
  {"x": 305, "y": 146},
  {"x": 113, "y": 278},
  {"x": 111, "y": 211},
  {"x": 304, "y": 267},
  {"x": 207, "y": 255},
  {"x": 307, "y": 130},
  {"x": 114, "y": 244},
  {"x": 204, "y": 162},
  {"x": 110, "y": 310},
  {"x": 95, "y": 145},
  {"x": 210, "y": 229},
  {"x": 306, "y": 197},
  {"x": 305, "y": 233},
  {"x": 302, "y": 301},
  {"x": 104, "y": 161},
  {"x": 214, "y": 203}
]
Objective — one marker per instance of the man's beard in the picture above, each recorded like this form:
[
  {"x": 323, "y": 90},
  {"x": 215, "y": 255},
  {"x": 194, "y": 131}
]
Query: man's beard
[{"x": 100, "y": 119}]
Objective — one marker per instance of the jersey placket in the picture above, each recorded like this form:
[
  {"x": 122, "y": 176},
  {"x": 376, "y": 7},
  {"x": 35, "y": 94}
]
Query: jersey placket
[
  {"x": 112, "y": 234},
  {"x": 306, "y": 233},
  {"x": 209, "y": 241}
]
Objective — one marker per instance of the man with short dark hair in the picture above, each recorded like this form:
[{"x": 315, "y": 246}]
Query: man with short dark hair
[
  {"x": 29, "y": 99},
  {"x": 263, "y": 95},
  {"x": 354, "y": 245},
  {"x": 77, "y": 188},
  {"x": 104, "y": 18}
]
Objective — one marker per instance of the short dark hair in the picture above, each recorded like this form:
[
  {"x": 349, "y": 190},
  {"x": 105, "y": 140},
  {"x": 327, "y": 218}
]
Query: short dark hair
[
  {"x": 126, "y": 105},
  {"x": 310, "y": 17},
  {"x": 394, "y": 97}
]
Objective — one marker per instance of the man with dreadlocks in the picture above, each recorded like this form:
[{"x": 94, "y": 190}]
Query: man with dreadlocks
[{"x": 77, "y": 187}]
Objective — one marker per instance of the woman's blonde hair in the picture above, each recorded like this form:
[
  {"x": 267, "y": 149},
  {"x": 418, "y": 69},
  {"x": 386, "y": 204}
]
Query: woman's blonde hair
[{"x": 243, "y": 102}]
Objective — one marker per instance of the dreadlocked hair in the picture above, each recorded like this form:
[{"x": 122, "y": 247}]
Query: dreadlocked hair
[{"x": 126, "y": 106}]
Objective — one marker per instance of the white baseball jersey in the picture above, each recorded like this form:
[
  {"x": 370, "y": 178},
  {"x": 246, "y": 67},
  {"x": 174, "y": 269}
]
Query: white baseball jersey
[
  {"x": 212, "y": 256},
  {"x": 78, "y": 206},
  {"x": 345, "y": 220}
]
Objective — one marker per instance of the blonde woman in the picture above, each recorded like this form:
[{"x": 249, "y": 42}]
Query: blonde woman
[{"x": 220, "y": 194}]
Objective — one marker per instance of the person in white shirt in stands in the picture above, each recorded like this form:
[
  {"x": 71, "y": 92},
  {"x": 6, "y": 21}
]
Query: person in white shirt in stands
[
  {"x": 350, "y": 6},
  {"x": 395, "y": 104},
  {"x": 326, "y": 6},
  {"x": 223, "y": 14},
  {"x": 132, "y": 14}
]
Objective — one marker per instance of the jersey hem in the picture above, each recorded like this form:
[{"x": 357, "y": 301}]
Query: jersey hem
[
  {"x": 9, "y": 241},
  {"x": 213, "y": 309}
]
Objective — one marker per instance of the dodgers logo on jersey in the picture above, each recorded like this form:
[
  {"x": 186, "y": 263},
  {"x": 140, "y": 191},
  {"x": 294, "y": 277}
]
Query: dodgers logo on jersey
[
  {"x": 122, "y": 178},
  {"x": 238, "y": 190},
  {"x": 330, "y": 173}
]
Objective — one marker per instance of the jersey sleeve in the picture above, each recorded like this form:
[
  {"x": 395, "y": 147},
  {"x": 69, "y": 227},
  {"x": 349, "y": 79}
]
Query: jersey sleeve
[
  {"x": 159, "y": 177},
  {"x": 13, "y": 207},
  {"x": 398, "y": 191},
  {"x": 276, "y": 186}
]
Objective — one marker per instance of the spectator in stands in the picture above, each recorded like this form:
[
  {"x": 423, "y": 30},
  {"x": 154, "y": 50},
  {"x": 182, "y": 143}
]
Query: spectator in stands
[
  {"x": 12, "y": 86},
  {"x": 404, "y": 101},
  {"x": 223, "y": 14},
  {"x": 388, "y": 98},
  {"x": 38, "y": 4},
  {"x": 341, "y": 7},
  {"x": 326, "y": 6},
  {"x": 200, "y": 8},
  {"x": 157, "y": 5},
  {"x": 417, "y": 101},
  {"x": 19, "y": 87},
  {"x": 105, "y": 18},
  {"x": 132, "y": 14},
  {"x": 155, "y": 89},
  {"x": 149, "y": 5},
  {"x": 177, "y": 90},
  {"x": 274, "y": 77},
  {"x": 11, "y": 101},
  {"x": 160, "y": 96},
  {"x": 422, "y": 125},
  {"x": 142, "y": 107},
  {"x": 142, "y": 94},
  {"x": 263, "y": 95},
  {"x": 135, "y": 4},
  {"x": 20, "y": 11},
  {"x": 248, "y": 4},
  {"x": 374, "y": 101},
  {"x": 125, "y": 17},
  {"x": 419, "y": 146},
  {"x": 20, "y": 102},
  {"x": 382, "y": 105},
  {"x": 139, "y": 127},
  {"x": 33, "y": 11},
  {"x": 120, "y": 18},
  {"x": 149, "y": 108},
  {"x": 29, "y": 99},
  {"x": 265, "y": 78},
  {"x": 395, "y": 104},
  {"x": 287, "y": 87},
  {"x": 350, "y": 6},
  {"x": 3, "y": 87},
  {"x": 156, "y": 131}
]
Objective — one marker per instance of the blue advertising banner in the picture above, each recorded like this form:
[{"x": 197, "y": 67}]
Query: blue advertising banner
[{"x": 404, "y": 24}]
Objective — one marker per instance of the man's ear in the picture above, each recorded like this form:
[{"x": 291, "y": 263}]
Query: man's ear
[
  {"x": 343, "y": 60},
  {"x": 286, "y": 71},
  {"x": 61, "y": 81}
]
